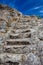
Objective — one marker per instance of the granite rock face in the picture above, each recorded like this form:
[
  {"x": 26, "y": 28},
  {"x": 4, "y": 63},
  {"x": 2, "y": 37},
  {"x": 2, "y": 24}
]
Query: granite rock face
[{"x": 21, "y": 38}]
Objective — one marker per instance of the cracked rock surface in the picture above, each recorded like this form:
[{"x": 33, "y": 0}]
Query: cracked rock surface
[{"x": 21, "y": 38}]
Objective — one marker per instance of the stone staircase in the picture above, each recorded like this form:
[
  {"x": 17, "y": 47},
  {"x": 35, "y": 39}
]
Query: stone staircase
[
  {"x": 18, "y": 45},
  {"x": 21, "y": 38}
]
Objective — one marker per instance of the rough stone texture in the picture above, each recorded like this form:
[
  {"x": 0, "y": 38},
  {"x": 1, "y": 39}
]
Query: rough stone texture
[{"x": 21, "y": 38}]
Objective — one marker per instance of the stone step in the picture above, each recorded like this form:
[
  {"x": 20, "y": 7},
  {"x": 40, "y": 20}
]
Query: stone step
[
  {"x": 17, "y": 49},
  {"x": 15, "y": 46},
  {"x": 22, "y": 41},
  {"x": 20, "y": 35},
  {"x": 6, "y": 57}
]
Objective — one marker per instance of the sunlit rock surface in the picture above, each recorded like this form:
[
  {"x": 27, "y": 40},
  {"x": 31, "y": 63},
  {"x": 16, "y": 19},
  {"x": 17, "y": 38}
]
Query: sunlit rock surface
[{"x": 21, "y": 38}]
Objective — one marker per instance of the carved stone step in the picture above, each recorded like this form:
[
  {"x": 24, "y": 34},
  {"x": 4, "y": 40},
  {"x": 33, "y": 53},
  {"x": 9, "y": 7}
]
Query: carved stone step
[
  {"x": 22, "y": 41},
  {"x": 6, "y": 57},
  {"x": 19, "y": 49},
  {"x": 22, "y": 49},
  {"x": 16, "y": 46},
  {"x": 20, "y": 35}
]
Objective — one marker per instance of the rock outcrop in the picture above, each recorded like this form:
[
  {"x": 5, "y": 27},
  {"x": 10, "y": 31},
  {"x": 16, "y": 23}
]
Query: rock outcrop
[{"x": 21, "y": 38}]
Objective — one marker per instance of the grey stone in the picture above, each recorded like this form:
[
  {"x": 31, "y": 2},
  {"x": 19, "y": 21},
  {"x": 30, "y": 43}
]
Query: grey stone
[{"x": 33, "y": 60}]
